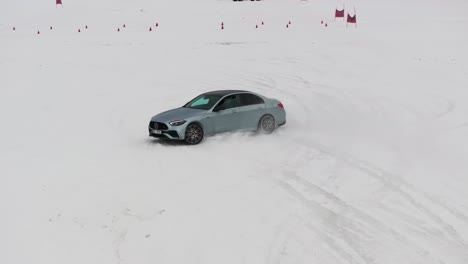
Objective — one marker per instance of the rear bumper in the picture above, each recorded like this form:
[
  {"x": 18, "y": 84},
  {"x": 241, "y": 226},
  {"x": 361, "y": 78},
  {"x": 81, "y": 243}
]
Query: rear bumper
[{"x": 280, "y": 116}]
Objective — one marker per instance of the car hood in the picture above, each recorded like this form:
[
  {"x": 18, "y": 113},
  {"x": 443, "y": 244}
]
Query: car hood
[{"x": 177, "y": 114}]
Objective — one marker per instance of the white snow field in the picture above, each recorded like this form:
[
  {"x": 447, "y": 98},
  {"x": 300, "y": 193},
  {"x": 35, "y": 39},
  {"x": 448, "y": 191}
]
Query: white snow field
[{"x": 371, "y": 167}]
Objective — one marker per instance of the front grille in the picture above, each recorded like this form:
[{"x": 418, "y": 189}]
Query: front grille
[{"x": 158, "y": 125}]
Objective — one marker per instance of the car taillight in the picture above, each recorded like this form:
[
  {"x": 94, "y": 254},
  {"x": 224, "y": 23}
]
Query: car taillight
[{"x": 281, "y": 105}]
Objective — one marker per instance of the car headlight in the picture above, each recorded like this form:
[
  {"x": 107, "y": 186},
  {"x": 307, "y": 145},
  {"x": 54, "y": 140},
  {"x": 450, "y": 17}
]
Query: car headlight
[{"x": 177, "y": 122}]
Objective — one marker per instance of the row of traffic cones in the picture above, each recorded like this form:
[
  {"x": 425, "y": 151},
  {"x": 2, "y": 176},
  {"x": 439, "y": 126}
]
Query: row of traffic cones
[
  {"x": 86, "y": 27},
  {"x": 263, "y": 23},
  {"x": 287, "y": 25},
  {"x": 157, "y": 25},
  {"x": 50, "y": 28},
  {"x": 150, "y": 28}
]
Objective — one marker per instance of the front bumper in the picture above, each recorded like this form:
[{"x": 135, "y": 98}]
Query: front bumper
[{"x": 158, "y": 129}]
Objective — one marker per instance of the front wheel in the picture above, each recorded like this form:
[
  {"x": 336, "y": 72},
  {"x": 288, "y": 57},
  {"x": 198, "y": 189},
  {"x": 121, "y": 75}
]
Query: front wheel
[
  {"x": 193, "y": 134},
  {"x": 267, "y": 124}
]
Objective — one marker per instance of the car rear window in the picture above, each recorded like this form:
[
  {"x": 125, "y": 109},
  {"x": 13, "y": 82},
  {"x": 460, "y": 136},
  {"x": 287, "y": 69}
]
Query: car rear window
[{"x": 250, "y": 99}]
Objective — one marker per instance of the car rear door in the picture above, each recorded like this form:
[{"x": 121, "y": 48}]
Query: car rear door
[{"x": 251, "y": 110}]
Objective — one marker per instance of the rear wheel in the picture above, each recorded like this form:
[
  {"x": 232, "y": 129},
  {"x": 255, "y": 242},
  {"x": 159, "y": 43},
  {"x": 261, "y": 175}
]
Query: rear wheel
[
  {"x": 267, "y": 124},
  {"x": 193, "y": 134}
]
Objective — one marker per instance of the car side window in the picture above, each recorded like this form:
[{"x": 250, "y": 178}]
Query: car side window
[
  {"x": 228, "y": 102},
  {"x": 250, "y": 99}
]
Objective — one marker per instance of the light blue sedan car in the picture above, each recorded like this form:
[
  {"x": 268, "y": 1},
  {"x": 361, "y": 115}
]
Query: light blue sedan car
[{"x": 216, "y": 112}]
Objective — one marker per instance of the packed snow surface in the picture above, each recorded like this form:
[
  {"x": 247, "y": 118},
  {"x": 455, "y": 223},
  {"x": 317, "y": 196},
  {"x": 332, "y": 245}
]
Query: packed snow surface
[{"x": 371, "y": 167}]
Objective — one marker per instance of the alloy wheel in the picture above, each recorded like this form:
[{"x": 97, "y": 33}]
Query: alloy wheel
[
  {"x": 268, "y": 124},
  {"x": 193, "y": 134}
]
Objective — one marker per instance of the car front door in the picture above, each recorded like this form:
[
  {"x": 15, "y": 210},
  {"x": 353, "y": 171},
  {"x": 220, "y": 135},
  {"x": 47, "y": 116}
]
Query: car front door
[{"x": 226, "y": 114}]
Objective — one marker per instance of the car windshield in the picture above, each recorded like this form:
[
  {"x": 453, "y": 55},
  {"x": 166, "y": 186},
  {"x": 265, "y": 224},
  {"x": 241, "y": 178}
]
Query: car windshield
[{"x": 204, "y": 101}]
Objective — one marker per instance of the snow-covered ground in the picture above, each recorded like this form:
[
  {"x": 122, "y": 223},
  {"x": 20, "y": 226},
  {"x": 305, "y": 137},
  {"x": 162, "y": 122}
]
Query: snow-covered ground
[{"x": 372, "y": 166}]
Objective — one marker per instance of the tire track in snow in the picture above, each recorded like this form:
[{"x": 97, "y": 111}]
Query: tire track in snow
[
  {"x": 393, "y": 183},
  {"x": 297, "y": 194},
  {"x": 333, "y": 204},
  {"x": 121, "y": 224},
  {"x": 386, "y": 175},
  {"x": 323, "y": 236},
  {"x": 449, "y": 109},
  {"x": 389, "y": 180},
  {"x": 270, "y": 84},
  {"x": 461, "y": 126},
  {"x": 348, "y": 234}
]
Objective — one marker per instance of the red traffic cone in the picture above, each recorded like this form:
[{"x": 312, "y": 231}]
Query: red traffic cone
[{"x": 150, "y": 29}]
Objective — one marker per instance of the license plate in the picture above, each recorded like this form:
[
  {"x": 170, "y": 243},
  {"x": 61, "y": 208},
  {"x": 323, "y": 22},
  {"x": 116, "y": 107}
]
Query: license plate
[{"x": 159, "y": 132}]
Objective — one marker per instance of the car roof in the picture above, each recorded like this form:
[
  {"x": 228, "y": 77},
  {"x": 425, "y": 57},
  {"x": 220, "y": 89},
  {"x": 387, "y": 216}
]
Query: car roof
[{"x": 225, "y": 92}]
